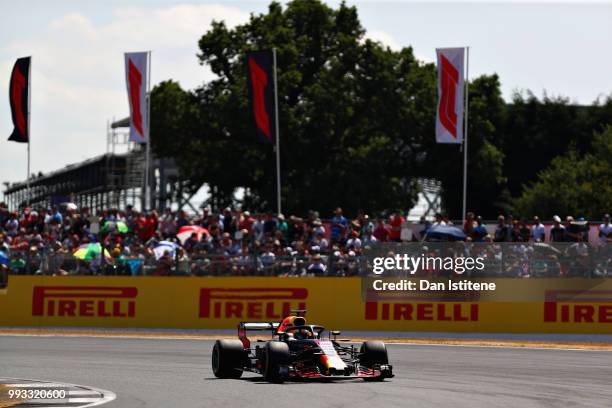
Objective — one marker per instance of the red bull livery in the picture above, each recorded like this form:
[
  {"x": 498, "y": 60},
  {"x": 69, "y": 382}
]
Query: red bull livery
[{"x": 299, "y": 351}]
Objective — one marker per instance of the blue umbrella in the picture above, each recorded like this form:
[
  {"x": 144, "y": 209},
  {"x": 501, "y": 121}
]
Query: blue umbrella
[
  {"x": 4, "y": 259},
  {"x": 164, "y": 246},
  {"x": 445, "y": 232}
]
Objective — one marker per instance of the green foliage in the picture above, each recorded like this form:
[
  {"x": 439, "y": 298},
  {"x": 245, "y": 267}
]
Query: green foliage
[
  {"x": 173, "y": 110},
  {"x": 352, "y": 122},
  {"x": 574, "y": 184},
  {"x": 357, "y": 125}
]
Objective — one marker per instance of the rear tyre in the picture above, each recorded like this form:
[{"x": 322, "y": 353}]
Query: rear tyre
[
  {"x": 228, "y": 359},
  {"x": 373, "y": 353},
  {"x": 277, "y": 356}
]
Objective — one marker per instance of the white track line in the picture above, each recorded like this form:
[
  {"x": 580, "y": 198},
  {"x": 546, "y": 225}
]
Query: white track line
[
  {"x": 407, "y": 343},
  {"x": 105, "y": 395},
  {"x": 517, "y": 347}
]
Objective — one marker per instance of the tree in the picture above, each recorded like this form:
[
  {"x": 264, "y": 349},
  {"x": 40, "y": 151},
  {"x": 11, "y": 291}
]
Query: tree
[
  {"x": 573, "y": 184},
  {"x": 173, "y": 112},
  {"x": 351, "y": 112},
  {"x": 356, "y": 122},
  {"x": 537, "y": 132}
]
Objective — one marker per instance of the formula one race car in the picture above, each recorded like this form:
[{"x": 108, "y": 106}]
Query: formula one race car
[{"x": 299, "y": 351}]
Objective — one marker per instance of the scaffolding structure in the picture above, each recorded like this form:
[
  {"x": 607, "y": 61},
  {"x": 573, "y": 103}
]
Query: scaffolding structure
[
  {"x": 429, "y": 200},
  {"x": 112, "y": 180}
]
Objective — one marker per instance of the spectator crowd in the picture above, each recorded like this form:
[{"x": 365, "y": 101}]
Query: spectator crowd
[{"x": 236, "y": 242}]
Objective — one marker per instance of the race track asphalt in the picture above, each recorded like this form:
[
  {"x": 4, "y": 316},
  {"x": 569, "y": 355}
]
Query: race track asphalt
[{"x": 177, "y": 373}]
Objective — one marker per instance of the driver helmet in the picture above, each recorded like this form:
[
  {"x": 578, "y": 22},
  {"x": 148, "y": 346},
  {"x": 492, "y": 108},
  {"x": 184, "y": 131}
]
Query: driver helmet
[
  {"x": 290, "y": 322},
  {"x": 304, "y": 334}
]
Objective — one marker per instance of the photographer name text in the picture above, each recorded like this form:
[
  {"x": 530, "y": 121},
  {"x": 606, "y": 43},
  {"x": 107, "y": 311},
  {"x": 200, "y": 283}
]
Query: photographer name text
[{"x": 427, "y": 285}]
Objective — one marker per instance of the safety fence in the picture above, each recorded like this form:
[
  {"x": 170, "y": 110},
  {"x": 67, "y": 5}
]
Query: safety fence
[{"x": 522, "y": 260}]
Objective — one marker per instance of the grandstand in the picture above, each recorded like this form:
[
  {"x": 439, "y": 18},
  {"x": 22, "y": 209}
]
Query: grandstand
[{"x": 114, "y": 179}]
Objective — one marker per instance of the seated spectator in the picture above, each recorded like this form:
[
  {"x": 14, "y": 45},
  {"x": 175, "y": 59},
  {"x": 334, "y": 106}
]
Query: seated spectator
[
  {"x": 354, "y": 243},
  {"x": 269, "y": 226},
  {"x": 439, "y": 220},
  {"x": 181, "y": 220},
  {"x": 317, "y": 267},
  {"x": 267, "y": 260},
  {"x": 246, "y": 221},
  {"x": 369, "y": 238},
  {"x": 183, "y": 265},
  {"x": 164, "y": 265},
  {"x": 11, "y": 226},
  {"x": 381, "y": 232},
  {"x": 228, "y": 221},
  {"x": 282, "y": 226},
  {"x": 168, "y": 224},
  {"x": 318, "y": 228},
  {"x": 258, "y": 228},
  {"x": 320, "y": 241}
]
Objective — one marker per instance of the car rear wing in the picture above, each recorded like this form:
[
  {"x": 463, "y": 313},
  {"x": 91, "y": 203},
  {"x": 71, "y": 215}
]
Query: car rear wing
[
  {"x": 258, "y": 326},
  {"x": 244, "y": 327}
]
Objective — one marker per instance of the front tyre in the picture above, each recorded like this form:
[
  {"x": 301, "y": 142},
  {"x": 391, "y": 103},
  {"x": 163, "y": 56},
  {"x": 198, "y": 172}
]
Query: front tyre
[
  {"x": 373, "y": 353},
  {"x": 276, "y": 359},
  {"x": 228, "y": 359}
]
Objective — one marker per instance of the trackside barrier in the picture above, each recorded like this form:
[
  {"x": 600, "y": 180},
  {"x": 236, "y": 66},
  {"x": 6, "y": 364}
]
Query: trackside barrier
[{"x": 220, "y": 303}]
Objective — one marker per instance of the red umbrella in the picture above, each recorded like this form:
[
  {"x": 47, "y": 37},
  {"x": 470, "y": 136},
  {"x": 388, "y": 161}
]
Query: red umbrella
[{"x": 185, "y": 232}]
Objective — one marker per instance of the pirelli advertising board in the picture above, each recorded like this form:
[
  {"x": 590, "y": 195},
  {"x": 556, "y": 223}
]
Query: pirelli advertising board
[{"x": 552, "y": 305}]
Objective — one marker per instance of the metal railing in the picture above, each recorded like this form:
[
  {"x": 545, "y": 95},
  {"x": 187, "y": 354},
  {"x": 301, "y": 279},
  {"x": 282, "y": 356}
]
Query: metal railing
[{"x": 521, "y": 260}]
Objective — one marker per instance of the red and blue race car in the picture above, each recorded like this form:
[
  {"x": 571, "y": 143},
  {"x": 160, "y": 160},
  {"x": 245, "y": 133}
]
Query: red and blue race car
[{"x": 299, "y": 351}]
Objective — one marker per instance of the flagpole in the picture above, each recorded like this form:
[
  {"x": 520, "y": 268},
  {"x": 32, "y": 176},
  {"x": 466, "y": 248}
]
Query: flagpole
[
  {"x": 465, "y": 133},
  {"x": 146, "y": 200},
  {"x": 29, "y": 130},
  {"x": 277, "y": 148}
]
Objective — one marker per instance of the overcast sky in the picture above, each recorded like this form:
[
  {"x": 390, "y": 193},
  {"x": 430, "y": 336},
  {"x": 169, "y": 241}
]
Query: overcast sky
[{"x": 562, "y": 48}]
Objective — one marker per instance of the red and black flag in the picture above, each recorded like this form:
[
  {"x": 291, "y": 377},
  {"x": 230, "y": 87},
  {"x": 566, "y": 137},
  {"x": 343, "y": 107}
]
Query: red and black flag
[
  {"x": 19, "y": 94},
  {"x": 260, "y": 78}
]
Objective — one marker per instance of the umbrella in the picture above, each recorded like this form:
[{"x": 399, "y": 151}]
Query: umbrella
[
  {"x": 445, "y": 232},
  {"x": 69, "y": 206},
  {"x": 4, "y": 259},
  {"x": 546, "y": 248},
  {"x": 88, "y": 252},
  {"x": 185, "y": 232},
  {"x": 163, "y": 247},
  {"x": 110, "y": 226}
]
